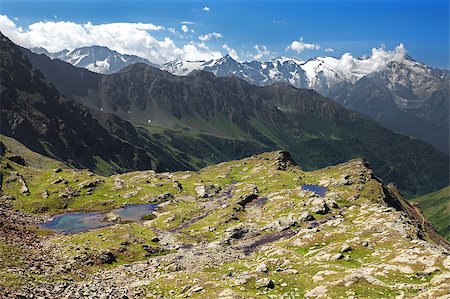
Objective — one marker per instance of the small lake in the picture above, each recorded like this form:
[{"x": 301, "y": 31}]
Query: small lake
[
  {"x": 319, "y": 190},
  {"x": 73, "y": 223}
]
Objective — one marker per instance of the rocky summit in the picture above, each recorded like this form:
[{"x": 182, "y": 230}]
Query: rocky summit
[{"x": 260, "y": 227}]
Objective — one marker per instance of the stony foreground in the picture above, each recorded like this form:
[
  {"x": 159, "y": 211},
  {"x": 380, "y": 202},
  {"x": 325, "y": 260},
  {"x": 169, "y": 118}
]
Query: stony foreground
[{"x": 242, "y": 229}]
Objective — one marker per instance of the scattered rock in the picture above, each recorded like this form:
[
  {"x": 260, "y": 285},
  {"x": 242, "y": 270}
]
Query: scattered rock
[
  {"x": 207, "y": 190},
  {"x": 319, "y": 206},
  {"x": 264, "y": 282},
  {"x": 338, "y": 256},
  {"x": 90, "y": 184},
  {"x": 163, "y": 197},
  {"x": 106, "y": 257},
  {"x": 290, "y": 271},
  {"x": 185, "y": 288},
  {"x": 317, "y": 292},
  {"x": 130, "y": 194},
  {"x": 262, "y": 268},
  {"x": 7, "y": 197},
  {"x": 151, "y": 250},
  {"x": 312, "y": 224},
  {"x": 119, "y": 184},
  {"x": 18, "y": 159},
  {"x": 283, "y": 160},
  {"x": 344, "y": 180},
  {"x": 177, "y": 185},
  {"x": 112, "y": 217},
  {"x": 196, "y": 289},
  {"x": 306, "y": 216},
  {"x": 281, "y": 224},
  {"x": 70, "y": 192},
  {"x": 59, "y": 180},
  {"x": 243, "y": 278},
  {"x": 58, "y": 170},
  {"x": 346, "y": 248},
  {"x": 245, "y": 199},
  {"x": 238, "y": 232},
  {"x": 24, "y": 189},
  {"x": 446, "y": 263},
  {"x": 353, "y": 197},
  {"x": 15, "y": 176},
  {"x": 320, "y": 275},
  {"x": 359, "y": 275},
  {"x": 45, "y": 194}
]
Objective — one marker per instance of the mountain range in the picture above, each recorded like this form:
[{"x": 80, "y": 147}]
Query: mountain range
[
  {"x": 95, "y": 58},
  {"x": 143, "y": 117},
  {"x": 406, "y": 96},
  {"x": 403, "y": 95}
]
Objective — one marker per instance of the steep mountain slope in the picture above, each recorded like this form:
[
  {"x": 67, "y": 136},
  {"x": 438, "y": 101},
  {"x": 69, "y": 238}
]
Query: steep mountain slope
[
  {"x": 406, "y": 100},
  {"x": 95, "y": 58},
  {"x": 237, "y": 118},
  {"x": 436, "y": 207},
  {"x": 404, "y": 95},
  {"x": 33, "y": 112},
  {"x": 241, "y": 229}
]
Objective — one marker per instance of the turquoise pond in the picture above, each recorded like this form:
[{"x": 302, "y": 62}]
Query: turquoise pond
[
  {"x": 319, "y": 190},
  {"x": 72, "y": 223}
]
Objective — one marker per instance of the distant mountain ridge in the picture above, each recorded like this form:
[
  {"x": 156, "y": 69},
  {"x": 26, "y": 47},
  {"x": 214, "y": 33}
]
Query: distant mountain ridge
[
  {"x": 97, "y": 59},
  {"x": 404, "y": 95}
]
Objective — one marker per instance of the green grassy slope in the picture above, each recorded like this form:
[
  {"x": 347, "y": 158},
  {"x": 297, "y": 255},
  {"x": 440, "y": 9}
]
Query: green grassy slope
[
  {"x": 188, "y": 248},
  {"x": 436, "y": 207}
]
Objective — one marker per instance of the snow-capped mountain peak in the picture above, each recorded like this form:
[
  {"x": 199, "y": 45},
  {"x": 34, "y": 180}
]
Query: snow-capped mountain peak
[
  {"x": 184, "y": 67},
  {"x": 98, "y": 59}
]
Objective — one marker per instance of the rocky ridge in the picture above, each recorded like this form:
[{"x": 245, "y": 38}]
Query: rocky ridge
[{"x": 240, "y": 229}]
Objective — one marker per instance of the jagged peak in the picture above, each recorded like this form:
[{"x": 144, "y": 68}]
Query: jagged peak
[{"x": 227, "y": 58}]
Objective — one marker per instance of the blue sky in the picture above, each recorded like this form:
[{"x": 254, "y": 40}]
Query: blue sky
[{"x": 344, "y": 26}]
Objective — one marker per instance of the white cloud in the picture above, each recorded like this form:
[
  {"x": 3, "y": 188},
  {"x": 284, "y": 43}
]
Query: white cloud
[
  {"x": 127, "y": 38},
  {"x": 176, "y": 33},
  {"x": 206, "y": 8},
  {"x": 379, "y": 58},
  {"x": 193, "y": 52},
  {"x": 299, "y": 46},
  {"x": 187, "y": 22},
  {"x": 202, "y": 45},
  {"x": 329, "y": 50},
  {"x": 232, "y": 52},
  {"x": 184, "y": 28},
  {"x": 207, "y": 37},
  {"x": 261, "y": 51}
]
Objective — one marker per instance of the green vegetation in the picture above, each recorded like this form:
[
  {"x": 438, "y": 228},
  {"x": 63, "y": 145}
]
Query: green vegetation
[
  {"x": 209, "y": 245},
  {"x": 436, "y": 207}
]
